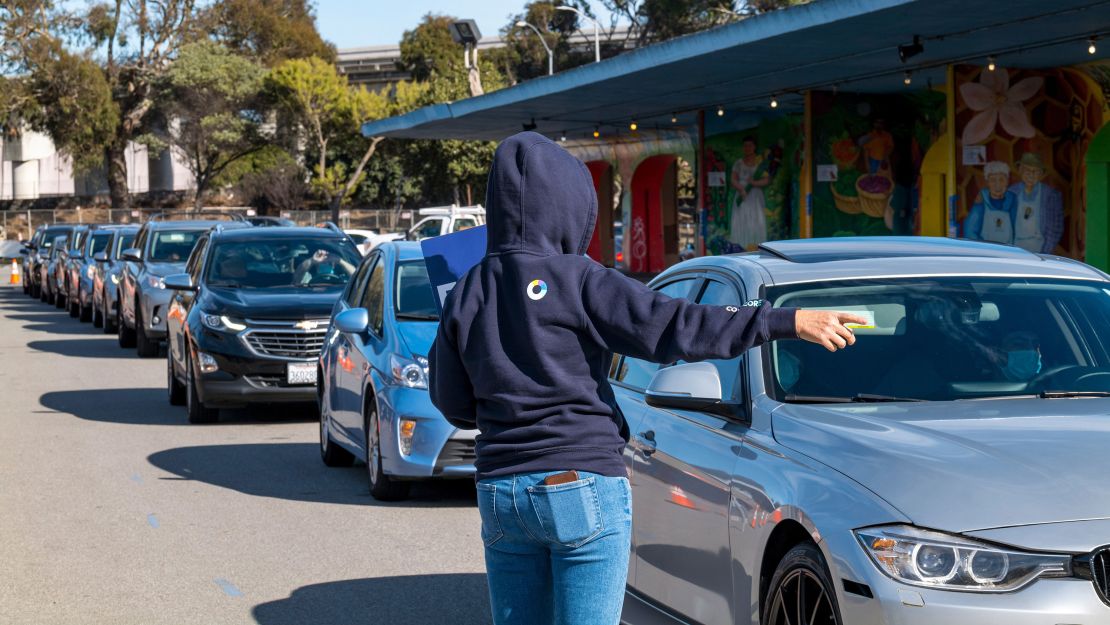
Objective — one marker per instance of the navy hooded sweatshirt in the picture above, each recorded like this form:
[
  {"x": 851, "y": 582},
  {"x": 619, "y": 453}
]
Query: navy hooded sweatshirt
[{"x": 527, "y": 335}]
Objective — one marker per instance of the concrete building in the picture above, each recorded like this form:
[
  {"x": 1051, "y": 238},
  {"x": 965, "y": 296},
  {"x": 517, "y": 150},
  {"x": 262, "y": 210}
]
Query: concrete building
[{"x": 31, "y": 168}]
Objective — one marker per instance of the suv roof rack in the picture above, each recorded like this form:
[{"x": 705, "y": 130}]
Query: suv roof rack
[
  {"x": 163, "y": 215},
  {"x": 330, "y": 225}
]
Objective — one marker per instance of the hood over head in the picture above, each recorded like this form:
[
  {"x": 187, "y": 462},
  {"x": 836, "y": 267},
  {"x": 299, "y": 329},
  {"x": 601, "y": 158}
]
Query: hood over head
[{"x": 539, "y": 199}]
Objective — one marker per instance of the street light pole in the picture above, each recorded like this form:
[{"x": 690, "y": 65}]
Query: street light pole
[
  {"x": 550, "y": 56},
  {"x": 597, "y": 35}
]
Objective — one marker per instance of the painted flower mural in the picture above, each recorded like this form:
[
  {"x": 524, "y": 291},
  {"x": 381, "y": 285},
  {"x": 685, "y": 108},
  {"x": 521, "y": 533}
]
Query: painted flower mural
[{"x": 996, "y": 102}]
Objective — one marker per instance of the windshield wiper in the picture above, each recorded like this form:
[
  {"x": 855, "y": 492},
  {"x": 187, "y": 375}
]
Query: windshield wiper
[
  {"x": 1067, "y": 394},
  {"x": 417, "y": 317},
  {"x": 865, "y": 397},
  {"x": 858, "y": 398}
]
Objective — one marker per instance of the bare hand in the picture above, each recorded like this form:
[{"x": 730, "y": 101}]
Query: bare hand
[{"x": 827, "y": 328}]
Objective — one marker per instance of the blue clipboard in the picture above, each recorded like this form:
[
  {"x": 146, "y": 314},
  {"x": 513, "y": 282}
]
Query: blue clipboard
[{"x": 450, "y": 256}]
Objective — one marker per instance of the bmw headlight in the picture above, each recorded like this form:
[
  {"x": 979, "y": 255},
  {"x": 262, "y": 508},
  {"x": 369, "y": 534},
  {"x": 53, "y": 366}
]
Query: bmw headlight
[
  {"x": 409, "y": 373},
  {"x": 935, "y": 560},
  {"x": 222, "y": 322},
  {"x": 156, "y": 282}
]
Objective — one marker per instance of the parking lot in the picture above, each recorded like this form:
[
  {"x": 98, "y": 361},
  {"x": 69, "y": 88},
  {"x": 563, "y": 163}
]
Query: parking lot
[{"x": 117, "y": 511}]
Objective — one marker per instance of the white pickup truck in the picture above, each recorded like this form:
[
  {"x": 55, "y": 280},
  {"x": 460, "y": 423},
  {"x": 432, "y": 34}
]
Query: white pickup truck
[{"x": 434, "y": 221}]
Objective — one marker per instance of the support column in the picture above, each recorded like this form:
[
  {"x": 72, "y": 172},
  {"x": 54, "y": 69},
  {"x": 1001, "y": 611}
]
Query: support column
[{"x": 25, "y": 180}]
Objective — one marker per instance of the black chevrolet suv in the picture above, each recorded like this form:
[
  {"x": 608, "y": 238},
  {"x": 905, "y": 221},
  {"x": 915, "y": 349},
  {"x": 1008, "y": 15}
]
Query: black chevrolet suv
[{"x": 247, "y": 320}]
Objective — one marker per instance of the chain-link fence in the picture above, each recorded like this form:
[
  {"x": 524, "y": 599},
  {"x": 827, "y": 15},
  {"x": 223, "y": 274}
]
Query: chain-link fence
[{"x": 19, "y": 225}]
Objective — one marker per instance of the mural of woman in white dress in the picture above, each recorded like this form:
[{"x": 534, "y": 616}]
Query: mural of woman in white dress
[{"x": 748, "y": 224}]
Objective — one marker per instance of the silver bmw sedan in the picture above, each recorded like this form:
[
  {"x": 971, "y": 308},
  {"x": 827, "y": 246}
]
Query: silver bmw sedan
[{"x": 951, "y": 467}]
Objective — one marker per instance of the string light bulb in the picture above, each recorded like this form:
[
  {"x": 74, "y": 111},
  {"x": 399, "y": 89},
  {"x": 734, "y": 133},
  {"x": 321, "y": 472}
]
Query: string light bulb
[
  {"x": 909, "y": 78},
  {"x": 674, "y": 118},
  {"x": 720, "y": 112},
  {"x": 1091, "y": 48},
  {"x": 774, "y": 102},
  {"x": 597, "y": 132},
  {"x": 563, "y": 137},
  {"x": 633, "y": 126},
  {"x": 990, "y": 63}
]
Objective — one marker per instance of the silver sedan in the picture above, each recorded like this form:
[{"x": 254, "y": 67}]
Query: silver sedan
[{"x": 950, "y": 467}]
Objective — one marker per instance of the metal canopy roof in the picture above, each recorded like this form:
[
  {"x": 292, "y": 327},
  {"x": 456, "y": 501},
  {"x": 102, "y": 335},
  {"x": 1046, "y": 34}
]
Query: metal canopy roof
[{"x": 849, "y": 43}]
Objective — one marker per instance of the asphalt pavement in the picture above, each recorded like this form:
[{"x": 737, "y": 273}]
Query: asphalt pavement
[{"x": 114, "y": 510}]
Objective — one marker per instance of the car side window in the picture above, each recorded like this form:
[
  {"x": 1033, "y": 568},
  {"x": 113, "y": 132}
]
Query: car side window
[
  {"x": 354, "y": 287},
  {"x": 140, "y": 240},
  {"x": 373, "y": 297},
  {"x": 430, "y": 228},
  {"x": 638, "y": 373},
  {"x": 721, "y": 294},
  {"x": 193, "y": 266}
]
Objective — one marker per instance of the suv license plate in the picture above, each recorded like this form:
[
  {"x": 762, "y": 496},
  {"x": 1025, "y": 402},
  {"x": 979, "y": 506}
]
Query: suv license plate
[{"x": 301, "y": 373}]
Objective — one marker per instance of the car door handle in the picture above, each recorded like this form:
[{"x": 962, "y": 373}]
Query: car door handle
[{"x": 647, "y": 442}]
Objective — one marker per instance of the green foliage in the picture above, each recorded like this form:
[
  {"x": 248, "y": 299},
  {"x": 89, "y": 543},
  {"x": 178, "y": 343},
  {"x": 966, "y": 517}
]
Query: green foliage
[
  {"x": 269, "y": 31},
  {"x": 207, "y": 103}
]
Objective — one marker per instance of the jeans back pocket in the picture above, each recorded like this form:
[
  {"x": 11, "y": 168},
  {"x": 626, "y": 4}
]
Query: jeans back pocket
[
  {"x": 487, "y": 508},
  {"x": 570, "y": 514}
]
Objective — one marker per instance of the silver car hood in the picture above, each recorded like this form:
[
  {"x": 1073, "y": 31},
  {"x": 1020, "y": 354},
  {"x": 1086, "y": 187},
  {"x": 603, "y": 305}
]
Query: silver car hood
[{"x": 966, "y": 465}]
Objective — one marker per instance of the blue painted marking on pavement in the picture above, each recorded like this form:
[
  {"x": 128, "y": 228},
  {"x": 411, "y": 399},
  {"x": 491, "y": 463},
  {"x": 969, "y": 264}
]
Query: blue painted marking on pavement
[
  {"x": 135, "y": 477},
  {"x": 228, "y": 588},
  {"x": 152, "y": 520}
]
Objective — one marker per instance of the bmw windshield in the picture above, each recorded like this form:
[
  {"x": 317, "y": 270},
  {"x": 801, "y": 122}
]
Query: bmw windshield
[
  {"x": 282, "y": 263},
  {"x": 949, "y": 338}
]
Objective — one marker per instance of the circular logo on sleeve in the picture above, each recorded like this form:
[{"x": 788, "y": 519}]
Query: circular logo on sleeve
[{"x": 536, "y": 289}]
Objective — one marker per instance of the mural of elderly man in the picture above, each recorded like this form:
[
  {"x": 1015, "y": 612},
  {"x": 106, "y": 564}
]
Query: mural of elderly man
[
  {"x": 992, "y": 216},
  {"x": 1039, "y": 222}
]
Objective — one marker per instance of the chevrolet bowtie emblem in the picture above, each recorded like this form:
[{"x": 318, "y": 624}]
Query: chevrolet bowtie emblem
[{"x": 307, "y": 324}]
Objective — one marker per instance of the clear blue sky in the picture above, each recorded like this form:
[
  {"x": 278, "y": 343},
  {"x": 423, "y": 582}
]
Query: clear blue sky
[{"x": 353, "y": 23}]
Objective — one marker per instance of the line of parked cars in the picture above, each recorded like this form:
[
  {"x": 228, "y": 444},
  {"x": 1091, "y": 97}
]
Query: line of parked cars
[
  {"x": 950, "y": 467},
  {"x": 247, "y": 314}
]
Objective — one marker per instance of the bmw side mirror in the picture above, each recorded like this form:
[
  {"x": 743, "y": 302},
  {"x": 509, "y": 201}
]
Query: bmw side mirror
[
  {"x": 100, "y": 257},
  {"x": 689, "y": 386},
  {"x": 353, "y": 321},
  {"x": 180, "y": 282},
  {"x": 132, "y": 254}
]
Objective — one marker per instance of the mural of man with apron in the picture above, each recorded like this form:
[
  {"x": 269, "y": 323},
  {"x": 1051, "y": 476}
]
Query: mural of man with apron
[
  {"x": 1039, "y": 222},
  {"x": 993, "y": 215}
]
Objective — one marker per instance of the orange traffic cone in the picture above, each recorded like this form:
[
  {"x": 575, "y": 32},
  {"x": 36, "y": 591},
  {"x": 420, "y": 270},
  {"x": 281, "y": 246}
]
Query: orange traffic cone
[{"x": 15, "y": 272}]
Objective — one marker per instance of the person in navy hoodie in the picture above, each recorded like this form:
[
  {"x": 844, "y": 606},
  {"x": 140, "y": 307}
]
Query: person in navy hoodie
[{"x": 523, "y": 353}]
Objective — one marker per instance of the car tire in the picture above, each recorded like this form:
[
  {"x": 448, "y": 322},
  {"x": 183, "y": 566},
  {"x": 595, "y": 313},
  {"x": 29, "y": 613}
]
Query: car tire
[
  {"x": 73, "y": 305},
  {"x": 86, "y": 312},
  {"x": 331, "y": 453},
  {"x": 98, "y": 320},
  {"x": 144, "y": 345},
  {"x": 59, "y": 300},
  {"x": 109, "y": 320},
  {"x": 195, "y": 410},
  {"x": 799, "y": 576},
  {"x": 382, "y": 486},
  {"x": 175, "y": 391},
  {"x": 124, "y": 334}
]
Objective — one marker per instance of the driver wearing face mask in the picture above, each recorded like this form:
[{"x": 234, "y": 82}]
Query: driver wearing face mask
[{"x": 1021, "y": 356}]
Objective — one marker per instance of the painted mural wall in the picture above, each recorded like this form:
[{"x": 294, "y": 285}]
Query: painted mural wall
[
  {"x": 1021, "y": 140},
  {"x": 752, "y": 182},
  {"x": 867, "y": 151}
]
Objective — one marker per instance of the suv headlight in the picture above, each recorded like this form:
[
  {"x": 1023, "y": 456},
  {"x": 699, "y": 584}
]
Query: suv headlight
[
  {"x": 409, "y": 373},
  {"x": 90, "y": 272},
  {"x": 156, "y": 282},
  {"x": 115, "y": 278},
  {"x": 935, "y": 560},
  {"x": 222, "y": 322}
]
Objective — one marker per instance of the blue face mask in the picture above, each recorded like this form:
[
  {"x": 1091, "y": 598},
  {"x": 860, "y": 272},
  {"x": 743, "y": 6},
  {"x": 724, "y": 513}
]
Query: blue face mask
[
  {"x": 790, "y": 369},
  {"x": 1022, "y": 364}
]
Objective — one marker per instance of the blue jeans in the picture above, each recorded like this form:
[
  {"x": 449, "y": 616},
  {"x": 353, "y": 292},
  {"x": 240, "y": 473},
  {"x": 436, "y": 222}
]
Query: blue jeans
[{"x": 556, "y": 555}]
